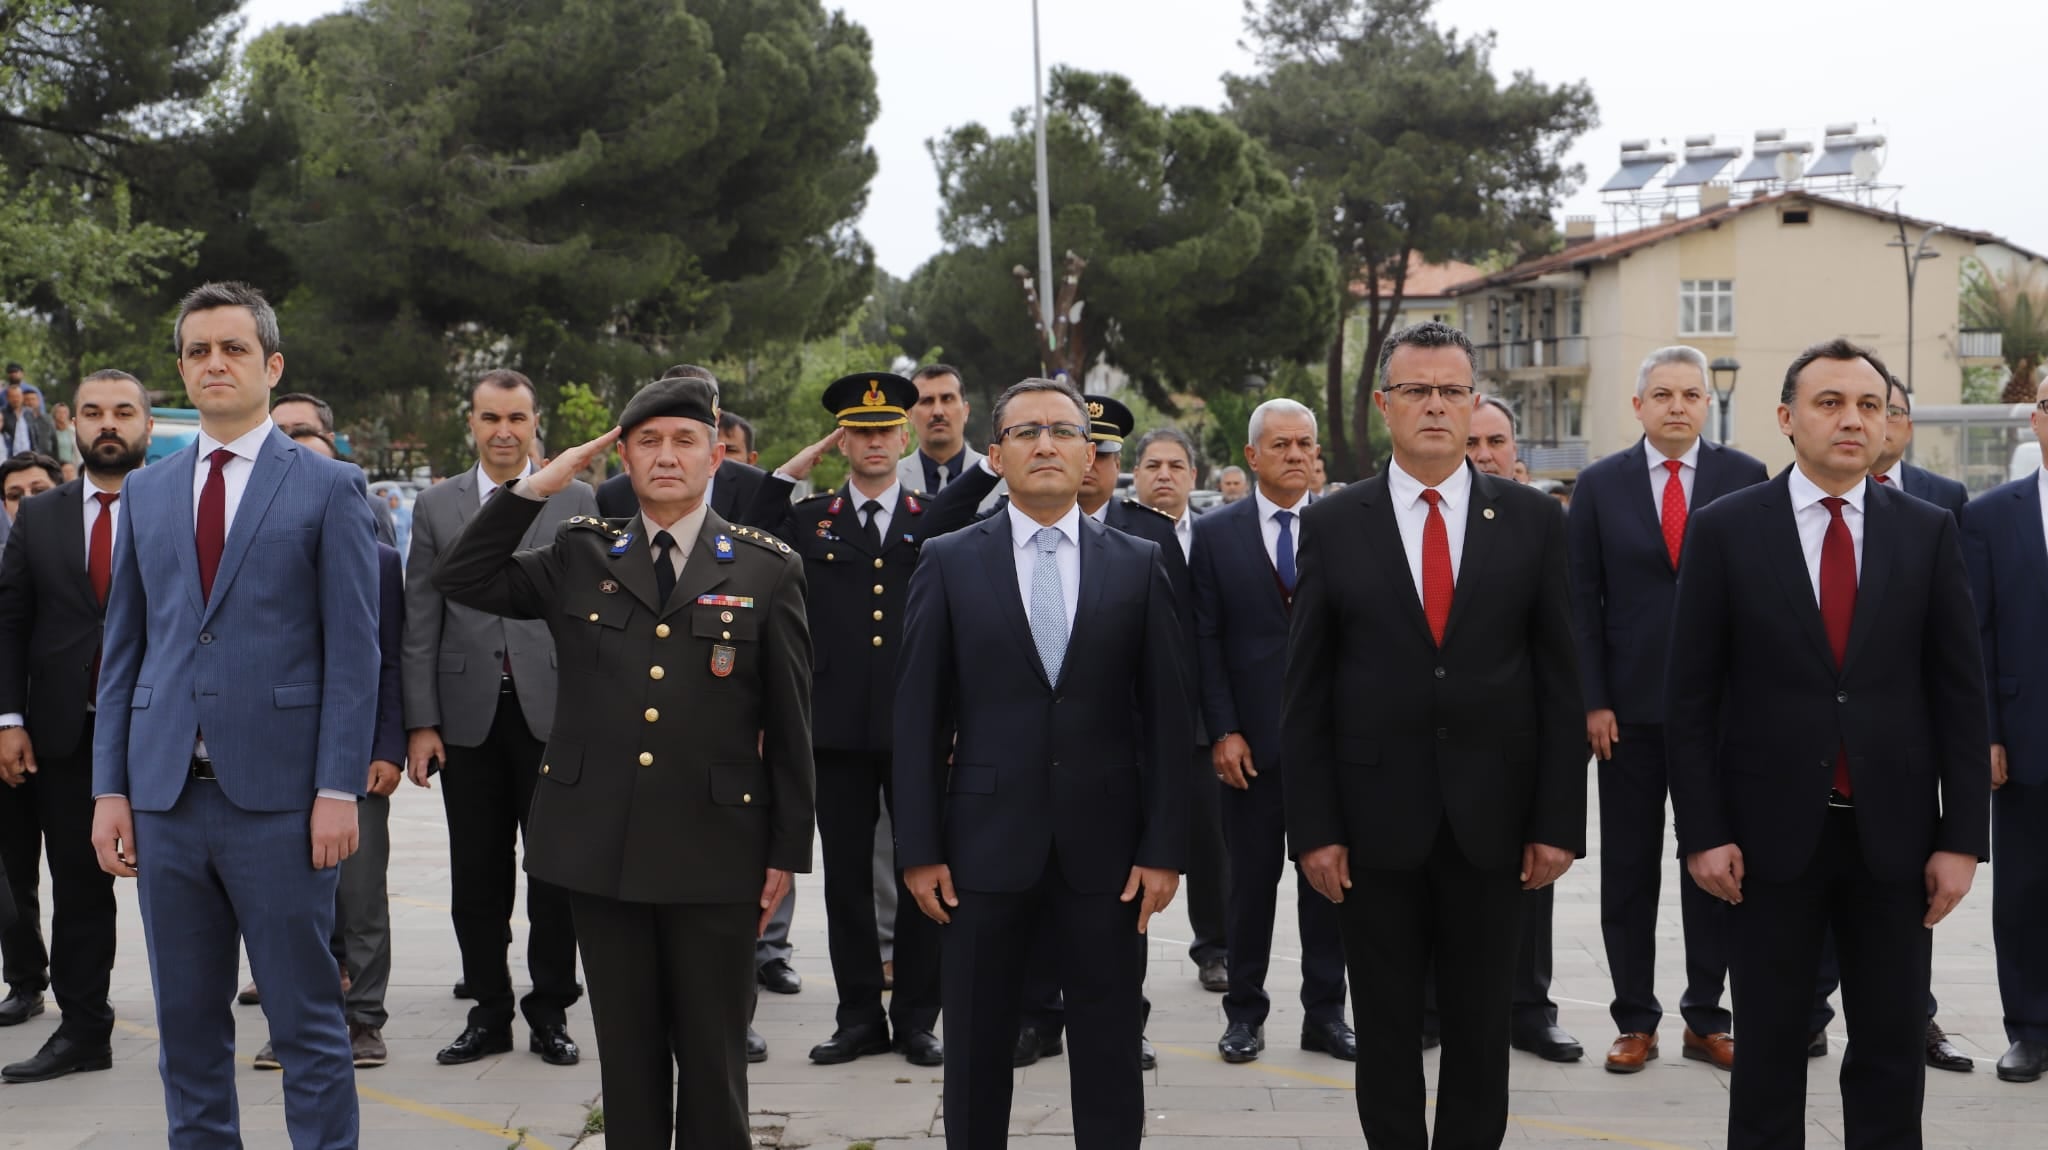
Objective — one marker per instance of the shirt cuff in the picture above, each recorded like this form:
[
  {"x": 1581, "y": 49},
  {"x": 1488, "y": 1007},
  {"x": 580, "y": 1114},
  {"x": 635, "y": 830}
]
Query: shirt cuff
[
  {"x": 11, "y": 720},
  {"x": 518, "y": 487},
  {"x": 330, "y": 793}
]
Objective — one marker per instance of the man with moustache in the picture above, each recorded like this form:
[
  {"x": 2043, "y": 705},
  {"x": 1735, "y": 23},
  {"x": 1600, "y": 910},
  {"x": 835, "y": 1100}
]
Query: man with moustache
[
  {"x": 1627, "y": 535},
  {"x": 940, "y": 420},
  {"x": 675, "y": 798},
  {"x": 53, "y": 585},
  {"x": 479, "y": 707},
  {"x": 739, "y": 493},
  {"x": 1826, "y": 739},
  {"x": 1435, "y": 741}
]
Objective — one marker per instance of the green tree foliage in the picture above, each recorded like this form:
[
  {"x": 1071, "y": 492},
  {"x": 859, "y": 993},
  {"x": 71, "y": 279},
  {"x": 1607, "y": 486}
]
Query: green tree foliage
[
  {"x": 1204, "y": 266},
  {"x": 1407, "y": 143},
  {"x": 2013, "y": 303}
]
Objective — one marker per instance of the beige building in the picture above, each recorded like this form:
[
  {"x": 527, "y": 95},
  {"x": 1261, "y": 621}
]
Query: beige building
[{"x": 1561, "y": 336}]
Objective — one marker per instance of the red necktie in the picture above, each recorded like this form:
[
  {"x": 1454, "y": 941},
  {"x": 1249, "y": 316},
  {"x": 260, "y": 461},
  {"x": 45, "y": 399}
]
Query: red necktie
[
  {"x": 1437, "y": 583},
  {"x": 99, "y": 556},
  {"x": 1838, "y": 602},
  {"x": 213, "y": 521},
  {"x": 1884, "y": 479},
  {"x": 1674, "y": 511}
]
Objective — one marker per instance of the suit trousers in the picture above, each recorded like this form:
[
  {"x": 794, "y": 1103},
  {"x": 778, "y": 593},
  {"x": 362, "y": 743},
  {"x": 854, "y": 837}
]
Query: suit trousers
[
  {"x": 853, "y": 788},
  {"x": 1208, "y": 871},
  {"x": 774, "y": 945},
  {"x": 362, "y": 914},
  {"x": 2019, "y": 906},
  {"x": 211, "y": 873},
  {"x": 52, "y": 811},
  {"x": 488, "y": 791},
  {"x": 1462, "y": 920},
  {"x": 1633, "y": 790},
  {"x": 888, "y": 886},
  {"x": 1255, "y": 830},
  {"x": 1776, "y": 934},
  {"x": 671, "y": 989},
  {"x": 987, "y": 947}
]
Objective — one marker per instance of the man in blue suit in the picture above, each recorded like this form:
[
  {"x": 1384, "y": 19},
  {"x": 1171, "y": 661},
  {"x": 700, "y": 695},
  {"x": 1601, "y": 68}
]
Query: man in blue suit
[
  {"x": 1626, "y": 535},
  {"x": 1892, "y": 469},
  {"x": 2005, "y": 543},
  {"x": 1042, "y": 732},
  {"x": 233, "y": 733},
  {"x": 1243, "y": 574}
]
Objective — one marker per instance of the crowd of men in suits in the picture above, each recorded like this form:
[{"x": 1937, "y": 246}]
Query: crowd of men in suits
[{"x": 1016, "y": 709}]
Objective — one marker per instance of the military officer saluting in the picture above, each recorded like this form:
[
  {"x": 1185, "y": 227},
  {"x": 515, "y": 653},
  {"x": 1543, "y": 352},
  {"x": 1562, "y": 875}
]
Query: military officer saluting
[
  {"x": 675, "y": 798},
  {"x": 859, "y": 544}
]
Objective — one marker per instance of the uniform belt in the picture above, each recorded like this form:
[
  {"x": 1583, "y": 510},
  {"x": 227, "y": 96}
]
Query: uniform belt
[
  {"x": 1839, "y": 801},
  {"x": 202, "y": 769}
]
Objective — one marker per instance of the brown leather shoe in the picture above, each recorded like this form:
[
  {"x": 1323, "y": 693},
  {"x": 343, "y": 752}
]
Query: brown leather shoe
[
  {"x": 1717, "y": 1048},
  {"x": 1631, "y": 1052}
]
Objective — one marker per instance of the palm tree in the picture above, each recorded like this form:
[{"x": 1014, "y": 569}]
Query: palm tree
[{"x": 2013, "y": 303}]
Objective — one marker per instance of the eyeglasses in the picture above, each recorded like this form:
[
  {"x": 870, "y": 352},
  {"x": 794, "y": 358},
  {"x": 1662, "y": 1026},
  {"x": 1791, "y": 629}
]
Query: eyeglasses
[
  {"x": 1455, "y": 394},
  {"x": 2043, "y": 405},
  {"x": 1029, "y": 432},
  {"x": 1896, "y": 413}
]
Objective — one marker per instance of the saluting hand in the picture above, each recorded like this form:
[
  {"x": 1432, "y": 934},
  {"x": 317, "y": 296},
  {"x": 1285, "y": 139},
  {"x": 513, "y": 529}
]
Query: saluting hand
[
  {"x": 564, "y": 468},
  {"x": 800, "y": 464},
  {"x": 932, "y": 885}
]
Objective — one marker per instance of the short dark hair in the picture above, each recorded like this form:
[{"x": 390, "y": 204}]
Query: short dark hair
[
  {"x": 1026, "y": 387},
  {"x": 29, "y": 461},
  {"x": 1833, "y": 349},
  {"x": 1483, "y": 400},
  {"x": 12, "y": 367},
  {"x": 934, "y": 371},
  {"x": 504, "y": 378},
  {"x": 1428, "y": 333},
  {"x": 727, "y": 421},
  {"x": 318, "y": 404},
  {"x": 1892, "y": 384},
  {"x": 209, "y": 296},
  {"x": 1165, "y": 434},
  {"x": 106, "y": 374}
]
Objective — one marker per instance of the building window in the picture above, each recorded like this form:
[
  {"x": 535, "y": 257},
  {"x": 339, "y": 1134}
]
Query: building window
[
  {"x": 1574, "y": 312},
  {"x": 1706, "y": 307}
]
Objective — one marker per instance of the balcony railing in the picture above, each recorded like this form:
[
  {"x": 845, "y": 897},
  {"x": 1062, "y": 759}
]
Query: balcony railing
[
  {"x": 1981, "y": 343},
  {"x": 1558, "y": 351},
  {"x": 1551, "y": 456}
]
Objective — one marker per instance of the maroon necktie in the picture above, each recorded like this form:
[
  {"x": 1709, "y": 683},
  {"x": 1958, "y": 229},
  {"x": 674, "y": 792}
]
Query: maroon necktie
[
  {"x": 99, "y": 556},
  {"x": 213, "y": 521},
  {"x": 1674, "y": 511},
  {"x": 1884, "y": 479},
  {"x": 1437, "y": 584},
  {"x": 1838, "y": 603}
]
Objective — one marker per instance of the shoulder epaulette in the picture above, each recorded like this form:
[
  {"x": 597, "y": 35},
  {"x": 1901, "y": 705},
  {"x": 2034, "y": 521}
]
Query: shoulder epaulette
[
  {"x": 760, "y": 538},
  {"x": 610, "y": 527},
  {"x": 815, "y": 497},
  {"x": 1134, "y": 504}
]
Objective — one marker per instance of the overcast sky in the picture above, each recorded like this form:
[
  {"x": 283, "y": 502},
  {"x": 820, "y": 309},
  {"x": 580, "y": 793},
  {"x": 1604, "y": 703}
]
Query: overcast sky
[{"x": 1955, "y": 86}]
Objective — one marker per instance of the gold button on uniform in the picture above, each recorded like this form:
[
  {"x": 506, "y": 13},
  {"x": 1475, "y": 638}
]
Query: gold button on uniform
[
  {"x": 878, "y": 640},
  {"x": 878, "y": 588},
  {"x": 878, "y": 616},
  {"x": 746, "y": 798},
  {"x": 725, "y": 634},
  {"x": 878, "y": 564},
  {"x": 543, "y": 768},
  {"x": 655, "y": 672},
  {"x": 593, "y": 616},
  {"x": 647, "y": 758},
  {"x": 660, "y": 632},
  {"x": 653, "y": 716}
]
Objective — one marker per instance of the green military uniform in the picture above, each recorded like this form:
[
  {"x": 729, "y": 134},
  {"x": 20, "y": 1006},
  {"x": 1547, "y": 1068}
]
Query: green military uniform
[{"x": 677, "y": 774}]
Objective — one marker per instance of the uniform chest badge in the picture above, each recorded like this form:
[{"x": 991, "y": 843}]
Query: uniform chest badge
[
  {"x": 620, "y": 547},
  {"x": 838, "y": 505},
  {"x": 911, "y": 504},
  {"x": 721, "y": 547},
  {"x": 722, "y": 658},
  {"x": 609, "y": 587}
]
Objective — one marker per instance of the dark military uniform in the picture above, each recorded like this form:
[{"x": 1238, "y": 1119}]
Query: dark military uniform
[{"x": 678, "y": 773}]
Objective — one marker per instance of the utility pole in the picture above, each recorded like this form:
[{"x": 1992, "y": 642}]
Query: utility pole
[
  {"x": 1046, "y": 290},
  {"x": 1913, "y": 254}
]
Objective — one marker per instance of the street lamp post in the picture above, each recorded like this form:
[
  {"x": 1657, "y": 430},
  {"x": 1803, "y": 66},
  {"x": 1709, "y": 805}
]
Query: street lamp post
[
  {"x": 1913, "y": 254},
  {"x": 1724, "y": 370}
]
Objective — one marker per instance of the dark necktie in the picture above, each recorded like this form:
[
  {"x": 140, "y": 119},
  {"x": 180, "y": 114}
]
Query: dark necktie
[
  {"x": 874, "y": 531},
  {"x": 1437, "y": 582},
  {"x": 664, "y": 566},
  {"x": 1838, "y": 603},
  {"x": 1283, "y": 552},
  {"x": 213, "y": 521}
]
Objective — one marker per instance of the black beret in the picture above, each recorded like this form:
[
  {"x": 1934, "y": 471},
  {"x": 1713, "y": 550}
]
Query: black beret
[{"x": 689, "y": 398}]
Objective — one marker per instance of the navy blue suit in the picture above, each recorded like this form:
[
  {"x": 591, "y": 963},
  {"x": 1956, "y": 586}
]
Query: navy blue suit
[
  {"x": 2007, "y": 553},
  {"x": 1623, "y": 587},
  {"x": 279, "y": 668},
  {"x": 1241, "y": 616},
  {"x": 1945, "y": 493}
]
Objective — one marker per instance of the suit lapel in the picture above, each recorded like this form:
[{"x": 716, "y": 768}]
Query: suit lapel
[
  {"x": 1480, "y": 531},
  {"x": 1383, "y": 535},
  {"x": 274, "y": 460},
  {"x": 1788, "y": 562},
  {"x": 1647, "y": 514},
  {"x": 2033, "y": 543},
  {"x": 1251, "y": 537},
  {"x": 70, "y": 504},
  {"x": 999, "y": 568},
  {"x": 634, "y": 566},
  {"x": 900, "y": 521},
  {"x": 466, "y": 503},
  {"x": 1880, "y": 544},
  {"x": 184, "y": 529},
  {"x": 1093, "y": 576}
]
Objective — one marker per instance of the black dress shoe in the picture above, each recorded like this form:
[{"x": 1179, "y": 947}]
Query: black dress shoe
[
  {"x": 1034, "y": 1044},
  {"x": 1215, "y": 976},
  {"x": 473, "y": 1043},
  {"x": 920, "y": 1048},
  {"x": 1331, "y": 1037},
  {"x": 1242, "y": 1042},
  {"x": 1551, "y": 1043},
  {"x": 2022, "y": 1063},
  {"x": 1942, "y": 1054},
  {"x": 20, "y": 1006},
  {"x": 554, "y": 1045},
  {"x": 1148, "y": 1058},
  {"x": 58, "y": 1057},
  {"x": 777, "y": 976},
  {"x": 757, "y": 1046},
  {"x": 462, "y": 989},
  {"x": 1817, "y": 1046},
  {"x": 851, "y": 1042}
]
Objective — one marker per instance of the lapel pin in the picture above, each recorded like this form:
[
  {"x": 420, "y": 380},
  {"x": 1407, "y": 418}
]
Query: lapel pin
[
  {"x": 721, "y": 547},
  {"x": 609, "y": 587},
  {"x": 1488, "y": 513}
]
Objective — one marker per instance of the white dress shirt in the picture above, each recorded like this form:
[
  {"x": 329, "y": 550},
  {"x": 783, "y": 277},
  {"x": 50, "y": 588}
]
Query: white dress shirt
[
  {"x": 684, "y": 531},
  {"x": 1269, "y": 527},
  {"x": 1411, "y": 514},
  {"x": 1184, "y": 530},
  {"x": 1812, "y": 520},
  {"x": 1067, "y": 556},
  {"x": 887, "y": 499},
  {"x": 1101, "y": 514},
  {"x": 1660, "y": 474},
  {"x": 1896, "y": 477},
  {"x": 487, "y": 487}
]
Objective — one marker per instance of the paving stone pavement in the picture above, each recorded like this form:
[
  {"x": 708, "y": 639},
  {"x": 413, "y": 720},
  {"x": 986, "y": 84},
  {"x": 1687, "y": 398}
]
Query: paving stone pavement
[{"x": 1287, "y": 1100}]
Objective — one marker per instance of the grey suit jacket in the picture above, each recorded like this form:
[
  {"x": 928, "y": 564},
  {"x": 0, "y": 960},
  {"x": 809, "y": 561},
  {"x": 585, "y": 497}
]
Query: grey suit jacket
[
  {"x": 910, "y": 473},
  {"x": 454, "y": 655}
]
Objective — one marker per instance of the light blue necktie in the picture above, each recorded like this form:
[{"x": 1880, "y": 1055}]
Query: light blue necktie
[{"x": 1048, "y": 604}]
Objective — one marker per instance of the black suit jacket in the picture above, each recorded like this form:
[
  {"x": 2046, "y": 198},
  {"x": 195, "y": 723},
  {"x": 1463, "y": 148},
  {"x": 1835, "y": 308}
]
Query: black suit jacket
[
  {"x": 1758, "y": 710},
  {"x": 388, "y": 743},
  {"x": 49, "y": 620},
  {"x": 1387, "y": 735},
  {"x": 1945, "y": 493},
  {"x": 1240, "y": 629},
  {"x": 1093, "y": 766},
  {"x": 1623, "y": 583},
  {"x": 1134, "y": 518},
  {"x": 740, "y": 493}
]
